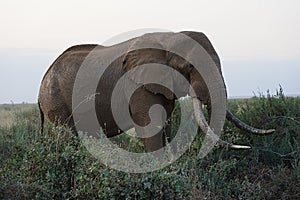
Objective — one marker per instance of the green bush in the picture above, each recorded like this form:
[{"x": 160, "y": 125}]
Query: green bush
[
  {"x": 56, "y": 164},
  {"x": 278, "y": 112}
]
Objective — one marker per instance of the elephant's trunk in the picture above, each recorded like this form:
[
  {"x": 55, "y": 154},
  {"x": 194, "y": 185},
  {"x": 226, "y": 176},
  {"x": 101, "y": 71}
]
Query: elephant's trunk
[
  {"x": 241, "y": 125},
  {"x": 206, "y": 128}
]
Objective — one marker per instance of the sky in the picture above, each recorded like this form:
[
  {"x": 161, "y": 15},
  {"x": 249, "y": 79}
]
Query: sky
[{"x": 257, "y": 41}]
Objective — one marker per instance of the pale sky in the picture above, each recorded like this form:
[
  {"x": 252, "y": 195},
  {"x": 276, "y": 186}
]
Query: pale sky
[{"x": 257, "y": 41}]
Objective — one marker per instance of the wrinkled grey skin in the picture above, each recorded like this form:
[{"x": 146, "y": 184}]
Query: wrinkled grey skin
[{"x": 55, "y": 95}]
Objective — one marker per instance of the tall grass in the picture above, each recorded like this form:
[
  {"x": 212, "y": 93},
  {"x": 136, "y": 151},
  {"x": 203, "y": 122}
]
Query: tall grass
[
  {"x": 56, "y": 165},
  {"x": 7, "y": 112}
]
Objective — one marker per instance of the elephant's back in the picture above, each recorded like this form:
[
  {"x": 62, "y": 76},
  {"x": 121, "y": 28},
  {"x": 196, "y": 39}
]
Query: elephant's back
[
  {"x": 77, "y": 51},
  {"x": 55, "y": 95}
]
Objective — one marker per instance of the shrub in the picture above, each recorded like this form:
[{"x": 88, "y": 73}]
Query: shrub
[{"x": 56, "y": 165}]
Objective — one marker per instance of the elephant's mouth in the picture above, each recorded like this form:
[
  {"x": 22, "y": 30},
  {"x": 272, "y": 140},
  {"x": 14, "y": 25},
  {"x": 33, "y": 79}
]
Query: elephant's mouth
[{"x": 201, "y": 121}]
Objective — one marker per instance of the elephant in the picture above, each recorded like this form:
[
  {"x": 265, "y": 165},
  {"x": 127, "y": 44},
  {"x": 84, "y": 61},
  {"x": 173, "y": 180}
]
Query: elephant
[{"x": 55, "y": 94}]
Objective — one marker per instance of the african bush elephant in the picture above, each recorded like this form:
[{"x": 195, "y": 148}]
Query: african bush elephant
[{"x": 55, "y": 95}]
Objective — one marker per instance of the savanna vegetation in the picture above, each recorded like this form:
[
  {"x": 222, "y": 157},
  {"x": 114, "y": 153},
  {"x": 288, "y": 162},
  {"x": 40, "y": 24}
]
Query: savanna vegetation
[{"x": 56, "y": 165}]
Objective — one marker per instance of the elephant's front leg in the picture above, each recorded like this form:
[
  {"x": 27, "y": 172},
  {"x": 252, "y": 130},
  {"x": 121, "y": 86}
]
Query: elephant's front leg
[{"x": 149, "y": 116}]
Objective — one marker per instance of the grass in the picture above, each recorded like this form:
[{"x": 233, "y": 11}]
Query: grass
[
  {"x": 8, "y": 111},
  {"x": 56, "y": 165}
]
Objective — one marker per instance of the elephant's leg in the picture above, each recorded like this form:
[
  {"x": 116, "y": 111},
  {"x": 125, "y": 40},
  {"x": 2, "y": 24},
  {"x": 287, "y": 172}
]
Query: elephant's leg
[
  {"x": 140, "y": 104},
  {"x": 153, "y": 143},
  {"x": 60, "y": 115}
]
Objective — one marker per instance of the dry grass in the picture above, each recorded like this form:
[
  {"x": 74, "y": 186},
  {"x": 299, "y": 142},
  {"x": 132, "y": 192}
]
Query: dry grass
[{"x": 7, "y": 112}]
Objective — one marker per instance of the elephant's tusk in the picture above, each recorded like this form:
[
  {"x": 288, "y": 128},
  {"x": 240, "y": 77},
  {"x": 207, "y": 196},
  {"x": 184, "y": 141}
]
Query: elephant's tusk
[
  {"x": 232, "y": 146},
  {"x": 243, "y": 126},
  {"x": 201, "y": 121}
]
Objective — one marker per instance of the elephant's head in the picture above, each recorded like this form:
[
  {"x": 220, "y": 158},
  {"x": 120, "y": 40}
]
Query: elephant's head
[
  {"x": 140, "y": 54},
  {"x": 158, "y": 48}
]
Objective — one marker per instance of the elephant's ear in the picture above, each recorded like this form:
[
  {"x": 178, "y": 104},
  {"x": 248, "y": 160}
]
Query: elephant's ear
[{"x": 148, "y": 51}]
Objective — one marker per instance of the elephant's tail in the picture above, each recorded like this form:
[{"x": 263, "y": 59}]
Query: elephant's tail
[{"x": 42, "y": 118}]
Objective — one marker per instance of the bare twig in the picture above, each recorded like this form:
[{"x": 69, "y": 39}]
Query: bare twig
[
  {"x": 294, "y": 119},
  {"x": 86, "y": 99}
]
